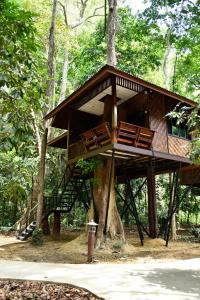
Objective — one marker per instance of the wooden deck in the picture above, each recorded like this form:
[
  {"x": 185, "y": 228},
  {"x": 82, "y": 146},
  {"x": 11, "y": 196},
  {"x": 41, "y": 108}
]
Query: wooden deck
[{"x": 133, "y": 148}]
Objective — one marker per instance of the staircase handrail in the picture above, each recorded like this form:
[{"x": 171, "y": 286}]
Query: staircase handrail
[{"x": 25, "y": 220}]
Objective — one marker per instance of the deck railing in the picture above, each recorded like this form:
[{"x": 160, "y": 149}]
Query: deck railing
[{"x": 99, "y": 136}]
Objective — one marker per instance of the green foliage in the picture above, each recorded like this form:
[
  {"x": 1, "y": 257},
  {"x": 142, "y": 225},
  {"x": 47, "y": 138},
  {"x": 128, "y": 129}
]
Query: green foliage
[
  {"x": 37, "y": 237},
  {"x": 118, "y": 245},
  {"x": 139, "y": 49},
  {"x": 179, "y": 22},
  {"x": 88, "y": 166},
  {"x": 196, "y": 232},
  {"x": 15, "y": 184}
]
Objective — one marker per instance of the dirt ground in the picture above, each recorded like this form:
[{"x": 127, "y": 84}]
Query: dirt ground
[{"x": 72, "y": 248}]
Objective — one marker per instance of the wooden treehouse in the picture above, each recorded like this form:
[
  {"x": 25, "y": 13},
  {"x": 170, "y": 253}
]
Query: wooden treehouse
[{"x": 120, "y": 117}]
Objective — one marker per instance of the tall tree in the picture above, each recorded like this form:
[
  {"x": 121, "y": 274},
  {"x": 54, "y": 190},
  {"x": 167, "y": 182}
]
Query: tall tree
[
  {"x": 50, "y": 95},
  {"x": 104, "y": 194},
  {"x": 112, "y": 22}
]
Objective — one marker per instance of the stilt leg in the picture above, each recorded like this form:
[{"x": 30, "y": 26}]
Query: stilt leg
[{"x": 152, "y": 213}]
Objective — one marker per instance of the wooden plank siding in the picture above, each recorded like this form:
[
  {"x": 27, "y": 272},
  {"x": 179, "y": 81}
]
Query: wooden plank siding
[
  {"x": 158, "y": 122},
  {"x": 178, "y": 146}
]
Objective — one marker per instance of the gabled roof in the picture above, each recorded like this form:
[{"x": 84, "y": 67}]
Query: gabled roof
[{"x": 105, "y": 72}]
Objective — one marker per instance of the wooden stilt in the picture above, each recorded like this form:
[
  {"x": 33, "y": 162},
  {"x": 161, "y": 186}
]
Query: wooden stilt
[
  {"x": 152, "y": 213},
  {"x": 56, "y": 225}
]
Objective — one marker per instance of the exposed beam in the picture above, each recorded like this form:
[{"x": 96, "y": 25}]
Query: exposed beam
[{"x": 91, "y": 153}]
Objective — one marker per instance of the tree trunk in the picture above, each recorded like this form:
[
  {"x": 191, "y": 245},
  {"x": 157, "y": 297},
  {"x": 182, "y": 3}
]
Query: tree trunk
[
  {"x": 41, "y": 179},
  {"x": 112, "y": 20},
  {"x": 64, "y": 77},
  {"x": 108, "y": 218},
  {"x": 50, "y": 95},
  {"x": 173, "y": 228},
  {"x": 105, "y": 204}
]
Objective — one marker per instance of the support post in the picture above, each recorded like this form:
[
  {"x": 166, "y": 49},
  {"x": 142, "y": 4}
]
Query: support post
[
  {"x": 68, "y": 128},
  {"x": 114, "y": 111},
  {"x": 152, "y": 213},
  {"x": 56, "y": 225}
]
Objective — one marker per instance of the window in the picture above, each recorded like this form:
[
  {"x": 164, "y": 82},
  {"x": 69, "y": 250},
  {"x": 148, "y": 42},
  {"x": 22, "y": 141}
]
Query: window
[{"x": 178, "y": 130}]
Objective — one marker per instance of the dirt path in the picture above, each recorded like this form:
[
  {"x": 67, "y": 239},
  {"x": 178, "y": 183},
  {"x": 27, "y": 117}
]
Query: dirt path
[{"x": 72, "y": 248}]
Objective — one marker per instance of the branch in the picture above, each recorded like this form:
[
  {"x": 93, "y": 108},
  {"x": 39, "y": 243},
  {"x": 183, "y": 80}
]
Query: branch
[
  {"x": 82, "y": 10},
  {"x": 65, "y": 13},
  {"x": 86, "y": 19}
]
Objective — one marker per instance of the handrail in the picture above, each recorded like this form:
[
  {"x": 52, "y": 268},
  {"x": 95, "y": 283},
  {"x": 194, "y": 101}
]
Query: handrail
[{"x": 26, "y": 218}]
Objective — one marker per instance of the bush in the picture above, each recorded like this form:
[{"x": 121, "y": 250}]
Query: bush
[
  {"x": 118, "y": 245},
  {"x": 196, "y": 232},
  {"x": 37, "y": 237}
]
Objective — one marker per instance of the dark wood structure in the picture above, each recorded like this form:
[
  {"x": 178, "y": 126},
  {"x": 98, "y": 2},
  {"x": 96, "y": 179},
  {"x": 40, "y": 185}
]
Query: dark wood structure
[{"x": 117, "y": 115}]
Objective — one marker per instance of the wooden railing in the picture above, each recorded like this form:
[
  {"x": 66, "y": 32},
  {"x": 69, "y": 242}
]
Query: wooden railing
[{"x": 99, "y": 136}]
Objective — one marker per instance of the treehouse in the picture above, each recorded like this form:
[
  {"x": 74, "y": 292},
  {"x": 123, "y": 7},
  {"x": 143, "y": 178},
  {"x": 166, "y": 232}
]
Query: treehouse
[{"x": 122, "y": 119}]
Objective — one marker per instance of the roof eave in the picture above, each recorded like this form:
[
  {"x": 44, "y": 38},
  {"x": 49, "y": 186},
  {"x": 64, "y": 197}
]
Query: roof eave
[{"x": 105, "y": 71}]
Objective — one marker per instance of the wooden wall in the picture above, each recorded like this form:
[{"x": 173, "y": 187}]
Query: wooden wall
[
  {"x": 178, "y": 146},
  {"x": 158, "y": 122}
]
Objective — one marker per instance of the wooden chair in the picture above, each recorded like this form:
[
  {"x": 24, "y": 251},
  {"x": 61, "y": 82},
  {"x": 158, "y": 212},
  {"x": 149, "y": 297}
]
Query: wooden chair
[
  {"x": 89, "y": 140},
  {"x": 145, "y": 138},
  {"x": 127, "y": 133},
  {"x": 102, "y": 133}
]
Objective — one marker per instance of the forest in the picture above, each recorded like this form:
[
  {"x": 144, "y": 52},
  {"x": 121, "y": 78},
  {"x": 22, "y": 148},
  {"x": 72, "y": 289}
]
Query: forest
[{"x": 50, "y": 48}]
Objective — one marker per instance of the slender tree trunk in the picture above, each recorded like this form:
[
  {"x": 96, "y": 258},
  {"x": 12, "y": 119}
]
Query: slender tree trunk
[
  {"x": 50, "y": 96},
  {"x": 51, "y": 56},
  {"x": 112, "y": 20},
  {"x": 64, "y": 77}
]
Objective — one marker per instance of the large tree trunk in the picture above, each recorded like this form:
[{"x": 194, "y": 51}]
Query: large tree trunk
[
  {"x": 108, "y": 218},
  {"x": 105, "y": 204}
]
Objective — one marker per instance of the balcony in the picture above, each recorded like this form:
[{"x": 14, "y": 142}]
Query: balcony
[{"x": 100, "y": 136}]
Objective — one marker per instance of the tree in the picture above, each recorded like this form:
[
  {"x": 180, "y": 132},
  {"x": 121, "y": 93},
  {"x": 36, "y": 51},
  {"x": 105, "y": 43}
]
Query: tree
[
  {"x": 109, "y": 221},
  {"x": 139, "y": 49},
  {"x": 50, "y": 95},
  {"x": 179, "y": 21}
]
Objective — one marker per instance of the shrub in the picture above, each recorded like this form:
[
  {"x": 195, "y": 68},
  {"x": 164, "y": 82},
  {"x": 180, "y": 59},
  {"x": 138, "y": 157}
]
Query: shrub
[{"x": 37, "y": 237}]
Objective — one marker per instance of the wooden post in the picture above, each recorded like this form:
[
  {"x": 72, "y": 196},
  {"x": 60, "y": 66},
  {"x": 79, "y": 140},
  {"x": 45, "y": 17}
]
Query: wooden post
[
  {"x": 56, "y": 225},
  {"x": 114, "y": 111},
  {"x": 152, "y": 213},
  {"x": 68, "y": 128}
]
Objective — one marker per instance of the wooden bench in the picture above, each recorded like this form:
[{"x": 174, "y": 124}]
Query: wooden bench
[
  {"x": 145, "y": 138},
  {"x": 96, "y": 137},
  {"x": 134, "y": 135},
  {"x": 103, "y": 135},
  {"x": 89, "y": 140},
  {"x": 127, "y": 133}
]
